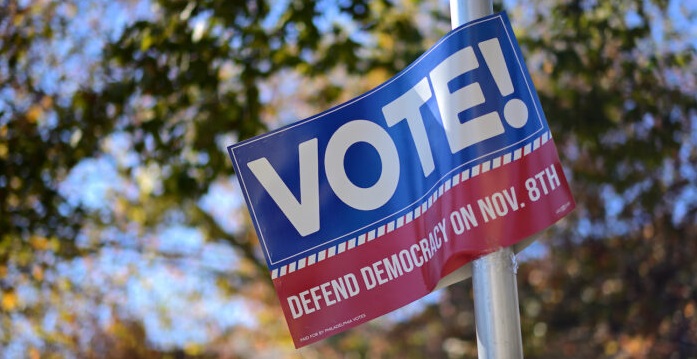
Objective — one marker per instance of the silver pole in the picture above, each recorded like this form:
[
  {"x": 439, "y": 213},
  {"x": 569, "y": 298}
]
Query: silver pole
[
  {"x": 496, "y": 306},
  {"x": 494, "y": 275},
  {"x": 462, "y": 11}
]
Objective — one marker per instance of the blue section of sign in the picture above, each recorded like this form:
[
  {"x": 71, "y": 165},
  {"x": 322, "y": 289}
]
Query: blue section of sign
[{"x": 479, "y": 62}]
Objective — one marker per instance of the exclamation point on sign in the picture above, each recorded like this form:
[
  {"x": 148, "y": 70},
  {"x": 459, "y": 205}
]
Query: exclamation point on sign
[{"x": 514, "y": 111}]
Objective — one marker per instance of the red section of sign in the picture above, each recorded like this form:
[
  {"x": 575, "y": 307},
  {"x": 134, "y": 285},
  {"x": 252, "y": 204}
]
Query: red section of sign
[{"x": 496, "y": 208}]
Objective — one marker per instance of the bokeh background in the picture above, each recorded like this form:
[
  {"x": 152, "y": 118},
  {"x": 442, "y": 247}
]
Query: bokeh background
[{"x": 122, "y": 229}]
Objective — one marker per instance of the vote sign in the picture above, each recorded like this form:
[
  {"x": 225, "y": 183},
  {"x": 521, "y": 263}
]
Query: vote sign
[{"x": 365, "y": 207}]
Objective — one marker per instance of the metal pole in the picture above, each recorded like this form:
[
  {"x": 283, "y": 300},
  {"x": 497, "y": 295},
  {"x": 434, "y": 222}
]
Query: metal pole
[
  {"x": 494, "y": 275},
  {"x": 462, "y": 11},
  {"x": 496, "y": 306}
]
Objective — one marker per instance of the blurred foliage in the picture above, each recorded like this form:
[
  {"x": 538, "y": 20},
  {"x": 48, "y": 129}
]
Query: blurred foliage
[{"x": 155, "y": 98}]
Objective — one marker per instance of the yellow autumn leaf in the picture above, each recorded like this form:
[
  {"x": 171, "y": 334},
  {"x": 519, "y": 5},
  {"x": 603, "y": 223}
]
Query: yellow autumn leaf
[
  {"x": 46, "y": 102},
  {"x": 9, "y": 301},
  {"x": 39, "y": 243},
  {"x": 193, "y": 349},
  {"x": 38, "y": 273},
  {"x": 34, "y": 113},
  {"x": 34, "y": 353},
  {"x": 376, "y": 77},
  {"x": 145, "y": 41}
]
